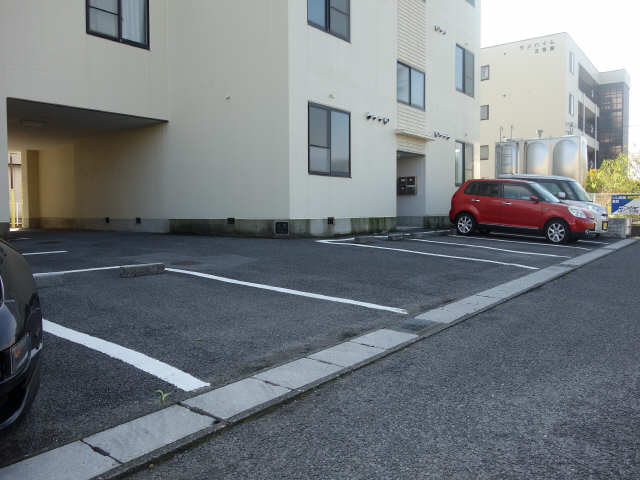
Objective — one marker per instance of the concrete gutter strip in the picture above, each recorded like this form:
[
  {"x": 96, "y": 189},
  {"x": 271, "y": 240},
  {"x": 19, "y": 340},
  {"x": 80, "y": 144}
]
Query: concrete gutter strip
[{"x": 124, "y": 448}]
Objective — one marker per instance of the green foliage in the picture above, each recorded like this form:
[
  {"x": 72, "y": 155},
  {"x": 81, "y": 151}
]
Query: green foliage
[
  {"x": 613, "y": 177},
  {"x": 163, "y": 396}
]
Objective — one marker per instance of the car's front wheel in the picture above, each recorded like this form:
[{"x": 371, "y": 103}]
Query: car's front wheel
[
  {"x": 557, "y": 231},
  {"x": 465, "y": 224}
]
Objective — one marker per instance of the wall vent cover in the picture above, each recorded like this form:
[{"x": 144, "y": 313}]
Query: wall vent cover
[{"x": 281, "y": 228}]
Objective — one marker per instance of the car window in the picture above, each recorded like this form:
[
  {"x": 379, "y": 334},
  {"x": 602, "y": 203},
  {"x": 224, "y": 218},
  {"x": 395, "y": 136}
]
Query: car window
[
  {"x": 471, "y": 189},
  {"x": 484, "y": 189},
  {"x": 515, "y": 191},
  {"x": 552, "y": 187},
  {"x": 576, "y": 192}
]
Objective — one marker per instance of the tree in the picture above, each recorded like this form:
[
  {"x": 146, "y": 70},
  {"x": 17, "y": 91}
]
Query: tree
[{"x": 614, "y": 176}]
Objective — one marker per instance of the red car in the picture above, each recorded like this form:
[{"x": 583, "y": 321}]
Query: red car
[{"x": 523, "y": 206}]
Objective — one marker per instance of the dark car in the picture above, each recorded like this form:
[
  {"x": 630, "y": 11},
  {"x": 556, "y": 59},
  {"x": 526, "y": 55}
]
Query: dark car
[
  {"x": 517, "y": 205},
  {"x": 20, "y": 336}
]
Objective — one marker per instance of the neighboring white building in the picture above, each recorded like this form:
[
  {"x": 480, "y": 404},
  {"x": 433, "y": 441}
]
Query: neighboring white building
[
  {"x": 232, "y": 116},
  {"x": 547, "y": 86}
]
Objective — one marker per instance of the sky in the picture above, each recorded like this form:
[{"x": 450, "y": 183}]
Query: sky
[{"x": 606, "y": 30}]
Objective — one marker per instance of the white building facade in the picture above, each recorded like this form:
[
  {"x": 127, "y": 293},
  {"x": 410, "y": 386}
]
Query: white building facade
[
  {"x": 233, "y": 116},
  {"x": 548, "y": 87}
]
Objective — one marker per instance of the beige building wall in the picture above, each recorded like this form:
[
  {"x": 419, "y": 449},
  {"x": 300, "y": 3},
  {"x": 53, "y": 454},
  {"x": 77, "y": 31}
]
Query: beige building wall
[
  {"x": 530, "y": 87},
  {"x": 448, "y": 111},
  {"x": 357, "y": 76}
]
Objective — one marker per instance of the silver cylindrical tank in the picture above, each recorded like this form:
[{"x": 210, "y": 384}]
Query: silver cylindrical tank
[
  {"x": 565, "y": 159},
  {"x": 537, "y": 158},
  {"x": 507, "y": 159}
]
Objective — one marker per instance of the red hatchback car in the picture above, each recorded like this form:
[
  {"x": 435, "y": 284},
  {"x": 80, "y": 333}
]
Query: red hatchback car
[{"x": 486, "y": 205}]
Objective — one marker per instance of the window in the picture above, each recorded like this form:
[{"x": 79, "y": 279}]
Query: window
[
  {"x": 332, "y": 16},
  {"x": 463, "y": 162},
  {"x": 483, "y": 189},
  {"x": 411, "y": 86},
  {"x": 465, "y": 75},
  {"x": 516, "y": 191},
  {"x": 329, "y": 141},
  {"x": 485, "y": 72},
  {"x": 484, "y": 152},
  {"x": 572, "y": 62},
  {"x": 125, "y": 21},
  {"x": 572, "y": 105},
  {"x": 484, "y": 112},
  {"x": 581, "y": 116}
]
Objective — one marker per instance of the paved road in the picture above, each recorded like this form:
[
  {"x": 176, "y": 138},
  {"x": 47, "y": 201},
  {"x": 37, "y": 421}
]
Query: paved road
[{"x": 545, "y": 386}]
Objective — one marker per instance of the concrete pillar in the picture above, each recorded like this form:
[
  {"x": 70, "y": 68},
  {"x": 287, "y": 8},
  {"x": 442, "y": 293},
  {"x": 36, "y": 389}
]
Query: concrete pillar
[
  {"x": 4, "y": 170},
  {"x": 31, "y": 188}
]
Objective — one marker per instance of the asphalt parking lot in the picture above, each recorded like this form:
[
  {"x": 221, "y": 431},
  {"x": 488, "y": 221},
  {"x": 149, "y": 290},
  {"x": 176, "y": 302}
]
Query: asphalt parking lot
[{"x": 238, "y": 306}]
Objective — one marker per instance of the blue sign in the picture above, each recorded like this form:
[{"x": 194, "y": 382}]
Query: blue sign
[{"x": 625, "y": 204}]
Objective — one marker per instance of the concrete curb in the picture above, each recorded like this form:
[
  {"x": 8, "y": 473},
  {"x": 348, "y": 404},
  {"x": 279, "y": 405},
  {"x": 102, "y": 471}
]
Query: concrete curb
[
  {"x": 384, "y": 342},
  {"x": 131, "y": 271}
]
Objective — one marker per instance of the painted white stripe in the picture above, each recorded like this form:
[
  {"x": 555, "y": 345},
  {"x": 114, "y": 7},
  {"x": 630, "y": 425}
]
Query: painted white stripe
[
  {"x": 453, "y": 257},
  {"x": 288, "y": 291},
  {"x": 44, "y": 253},
  {"x": 594, "y": 242},
  {"x": 533, "y": 236},
  {"x": 84, "y": 270},
  {"x": 541, "y": 244},
  {"x": 491, "y": 248},
  {"x": 154, "y": 367}
]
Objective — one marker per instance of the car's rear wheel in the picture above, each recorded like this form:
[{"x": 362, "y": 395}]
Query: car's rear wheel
[
  {"x": 557, "y": 231},
  {"x": 465, "y": 224}
]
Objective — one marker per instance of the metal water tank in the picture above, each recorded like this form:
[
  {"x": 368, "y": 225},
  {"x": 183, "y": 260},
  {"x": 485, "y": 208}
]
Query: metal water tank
[
  {"x": 565, "y": 159},
  {"x": 537, "y": 158},
  {"x": 507, "y": 159}
]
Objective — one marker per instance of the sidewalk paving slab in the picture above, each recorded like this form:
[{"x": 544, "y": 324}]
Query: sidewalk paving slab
[
  {"x": 299, "y": 373},
  {"x": 75, "y": 461},
  {"x": 146, "y": 434},
  {"x": 236, "y": 398},
  {"x": 385, "y": 339},
  {"x": 347, "y": 354}
]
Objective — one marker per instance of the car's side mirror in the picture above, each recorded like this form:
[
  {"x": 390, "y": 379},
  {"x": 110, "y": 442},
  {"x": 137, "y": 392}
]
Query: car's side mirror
[
  {"x": 534, "y": 198},
  {"x": 562, "y": 195}
]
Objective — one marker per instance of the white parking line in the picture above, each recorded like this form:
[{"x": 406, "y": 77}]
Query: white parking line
[
  {"x": 453, "y": 257},
  {"x": 154, "y": 367},
  {"x": 594, "y": 242},
  {"x": 288, "y": 291},
  {"x": 491, "y": 248},
  {"x": 44, "y": 253},
  {"x": 85, "y": 270},
  {"x": 532, "y": 236},
  {"x": 541, "y": 244}
]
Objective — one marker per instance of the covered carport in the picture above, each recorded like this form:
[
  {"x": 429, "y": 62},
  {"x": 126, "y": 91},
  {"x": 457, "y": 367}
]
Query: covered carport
[{"x": 78, "y": 167}]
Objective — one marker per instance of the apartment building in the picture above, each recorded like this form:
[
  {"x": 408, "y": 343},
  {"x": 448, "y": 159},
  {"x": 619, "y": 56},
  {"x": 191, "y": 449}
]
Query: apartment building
[
  {"x": 437, "y": 137},
  {"x": 250, "y": 117},
  {"x": 548, "y": 87}
]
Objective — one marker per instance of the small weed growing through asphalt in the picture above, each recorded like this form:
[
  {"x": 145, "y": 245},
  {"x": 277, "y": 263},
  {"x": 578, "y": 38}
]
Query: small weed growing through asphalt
[{"x": 163, "y": 396}]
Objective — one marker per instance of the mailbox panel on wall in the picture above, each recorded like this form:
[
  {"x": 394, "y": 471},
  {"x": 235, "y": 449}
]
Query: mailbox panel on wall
[{"x": 407, "y": 186}]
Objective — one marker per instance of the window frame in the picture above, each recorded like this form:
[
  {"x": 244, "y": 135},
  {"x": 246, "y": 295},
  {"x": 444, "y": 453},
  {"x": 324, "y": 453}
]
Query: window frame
[
  {"x": 487, "y": 150},
  {"x": 572, "y": 63},
  {"x": 483, "y": 69},
  {"x": 572, "y": 105},
  {"x": 327, "y": 20},
  {"x": 118, "y": 39},
  {"x": 465, "y": 159},
  {"x": 484, "y": 108},
  {"x": 465, "y": 54},
  {"x": 310, "y": 145},
  {"x": 424, "y": 89}
]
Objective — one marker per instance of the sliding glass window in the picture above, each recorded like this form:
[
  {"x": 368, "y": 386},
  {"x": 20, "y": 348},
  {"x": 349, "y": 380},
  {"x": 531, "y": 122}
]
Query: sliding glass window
[
  {"x": 329, "y": 141},
  {"x": 125, "y": 21},
  {"x": 411, "y": 86}
]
